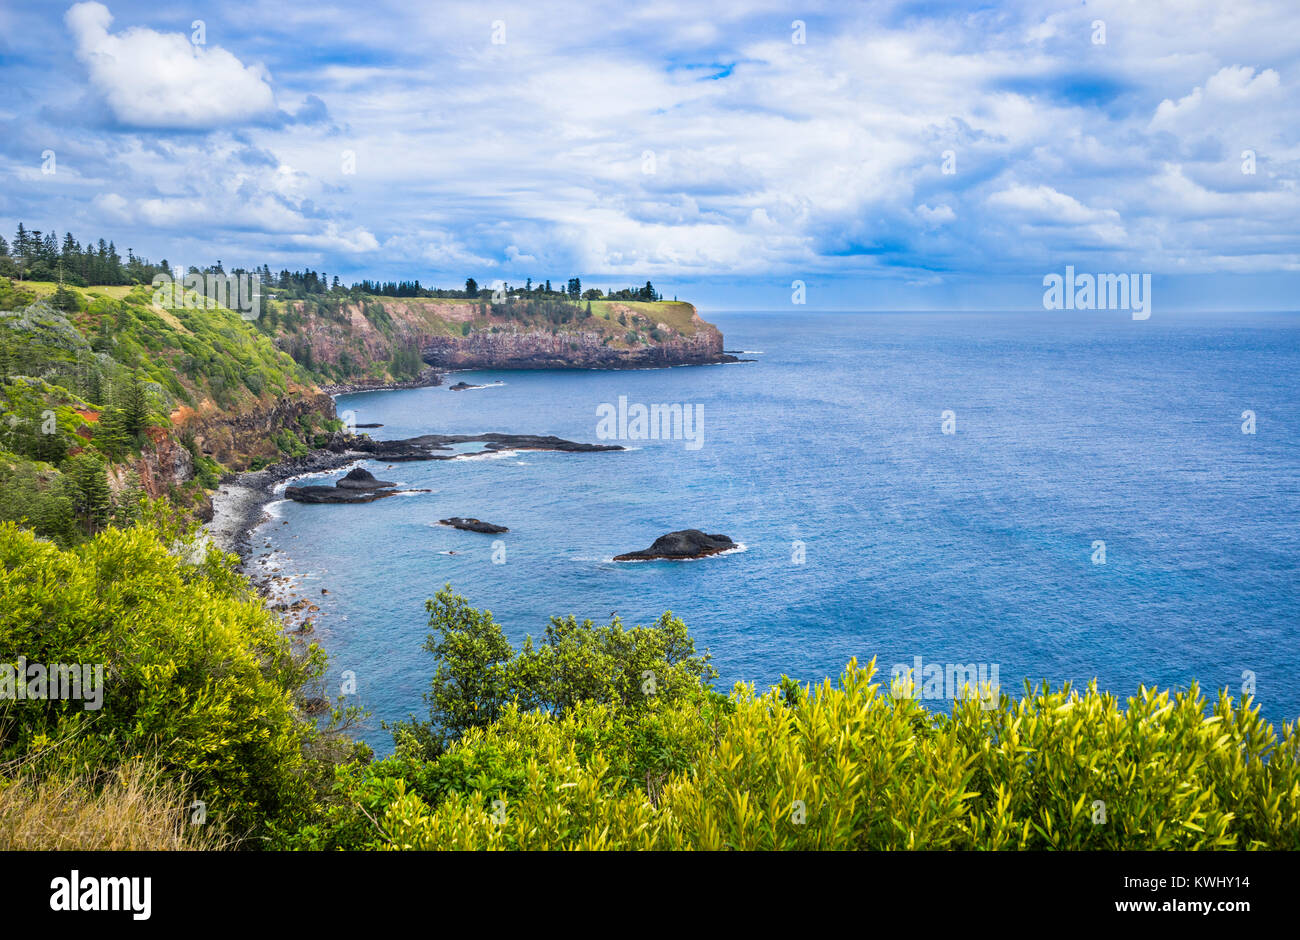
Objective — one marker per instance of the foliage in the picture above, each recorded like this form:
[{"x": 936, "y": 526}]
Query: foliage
[
  {"x": 845, "y": 767},
  {"x": 196, "y": 674},
  {"x": 478, "y": 675}
]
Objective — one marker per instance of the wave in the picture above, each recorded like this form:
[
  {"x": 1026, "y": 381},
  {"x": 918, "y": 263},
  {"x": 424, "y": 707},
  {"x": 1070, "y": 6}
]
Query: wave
[{"x": 485, "y": 454}]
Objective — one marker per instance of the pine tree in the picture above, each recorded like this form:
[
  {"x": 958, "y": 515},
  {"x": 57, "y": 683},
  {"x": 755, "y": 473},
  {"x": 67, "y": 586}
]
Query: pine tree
[
  {"x": 135, "y": 407},
  {"x": 87, "y": 486},
  {"x": 111, "y": 437},
  {"x": 64, "y": 299}
]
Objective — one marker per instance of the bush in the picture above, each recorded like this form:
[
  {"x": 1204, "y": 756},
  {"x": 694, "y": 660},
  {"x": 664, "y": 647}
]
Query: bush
[
  {"x": 479, "y": 675},
  {"x": 849, "y": 768},
  {"x": 196, "y": 674}
]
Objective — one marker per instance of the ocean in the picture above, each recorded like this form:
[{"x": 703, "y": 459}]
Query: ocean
[{"x": 1097, "y": 510}]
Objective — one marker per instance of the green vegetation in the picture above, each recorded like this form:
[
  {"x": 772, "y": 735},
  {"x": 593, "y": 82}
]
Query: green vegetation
[
  {"x": 91, "y": 386},
  {"x": 198, "y": 678},
  {"x": 560, "y": 746},
  {"x": 591, "y": 737}
]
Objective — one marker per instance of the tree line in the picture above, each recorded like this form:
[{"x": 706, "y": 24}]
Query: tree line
[{"x": 42, "y": 256}]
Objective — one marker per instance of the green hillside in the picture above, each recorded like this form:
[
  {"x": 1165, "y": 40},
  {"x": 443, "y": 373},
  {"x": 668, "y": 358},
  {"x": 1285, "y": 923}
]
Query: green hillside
[{"x": 93, "y": 390}]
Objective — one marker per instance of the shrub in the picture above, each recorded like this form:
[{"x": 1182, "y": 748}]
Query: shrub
[
  {"x": 848, "y": 768},
  {"x": 196, "y": 673}
]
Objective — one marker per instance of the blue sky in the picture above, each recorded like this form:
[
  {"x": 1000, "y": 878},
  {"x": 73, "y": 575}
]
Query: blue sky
[{"x": 903, "y": 155}]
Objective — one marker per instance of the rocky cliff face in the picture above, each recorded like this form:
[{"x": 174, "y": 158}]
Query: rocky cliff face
[
  {"x": 166, "y": 462},
  {"x": 236, "y": 439},
  {"x": 538, "y": 349},
  {"x": 356, "y": 343}
]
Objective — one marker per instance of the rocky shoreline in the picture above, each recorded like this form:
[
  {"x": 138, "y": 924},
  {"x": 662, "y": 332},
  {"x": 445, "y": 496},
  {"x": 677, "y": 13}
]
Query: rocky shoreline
[{"x": 238, "y": 505}]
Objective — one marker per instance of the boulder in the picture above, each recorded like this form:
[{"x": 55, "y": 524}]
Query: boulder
[
  {"x": 333, "y": 494},
  {"x": 359, "y": 479}
]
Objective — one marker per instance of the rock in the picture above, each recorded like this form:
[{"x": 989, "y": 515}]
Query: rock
[
  {"x": 462, "y": 386},
  {"x": 361, "y": 479},
  {"x": 425, "y": 446},
  {"x": 473, "y": 525},
  {"x": 681, "y": 546},
  {"x": 316, "y": 705},
  {"x": 333, "y": 494}
]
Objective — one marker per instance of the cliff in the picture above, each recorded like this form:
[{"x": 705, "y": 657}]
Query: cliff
[
  {"x": 514, "y": 346},
  {"x": 382, "y": 341}
]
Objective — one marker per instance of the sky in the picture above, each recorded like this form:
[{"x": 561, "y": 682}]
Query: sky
[{"x": 923, "y": 155}]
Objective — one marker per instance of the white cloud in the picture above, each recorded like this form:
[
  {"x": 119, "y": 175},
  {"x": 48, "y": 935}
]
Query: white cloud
[
  {"x": 1044, "y": 205},
  {"x": 937, "y": 215},
  {"x": 1233, "y": 86},
  {"x": 152, "y": 79},
  {"x": 527, "y": 159}
]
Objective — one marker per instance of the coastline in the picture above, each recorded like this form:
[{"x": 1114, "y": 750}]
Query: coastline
[
  {"x": 239, "y": 503},
  {"x": 428, "y": 378}
]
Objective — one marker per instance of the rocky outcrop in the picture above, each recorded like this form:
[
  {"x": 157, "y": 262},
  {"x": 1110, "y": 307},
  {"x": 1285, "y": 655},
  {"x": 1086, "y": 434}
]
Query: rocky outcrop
[
  {"x": 427, "y": 446},
  {"x": 333, "y": 494},
  {"x": 463, "y": 386},
  {"x": 357, "y": 486},
  {"x": 682, "y": 545},
  {"x": 236, "y": 439},
  {"x": 473, "y": 525},
  {"x": 163, "y": 463},
  {"x": 359, "y": 478}
]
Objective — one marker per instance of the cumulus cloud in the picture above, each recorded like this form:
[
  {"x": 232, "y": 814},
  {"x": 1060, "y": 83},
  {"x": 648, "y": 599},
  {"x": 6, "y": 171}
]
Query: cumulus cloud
[
  {"x": 1234, "y": 86},
  {"x": 163, "y": 80},
  {"x": 900, "y": 140}
]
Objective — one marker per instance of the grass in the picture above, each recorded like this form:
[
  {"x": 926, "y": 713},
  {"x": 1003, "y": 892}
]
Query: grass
[
  {"x": 46, "y": 288},
  {"x": 137, "y": 809},
  {"x": 678, "y": 314}
]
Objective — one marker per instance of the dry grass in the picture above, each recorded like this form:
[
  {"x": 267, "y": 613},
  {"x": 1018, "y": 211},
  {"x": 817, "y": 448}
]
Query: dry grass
[{"x": 135, "y": 809}]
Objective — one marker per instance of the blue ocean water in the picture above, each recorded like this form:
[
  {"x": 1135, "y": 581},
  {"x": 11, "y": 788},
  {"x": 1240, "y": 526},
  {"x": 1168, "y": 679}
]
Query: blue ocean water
[{"x": 972, "y": 547}]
